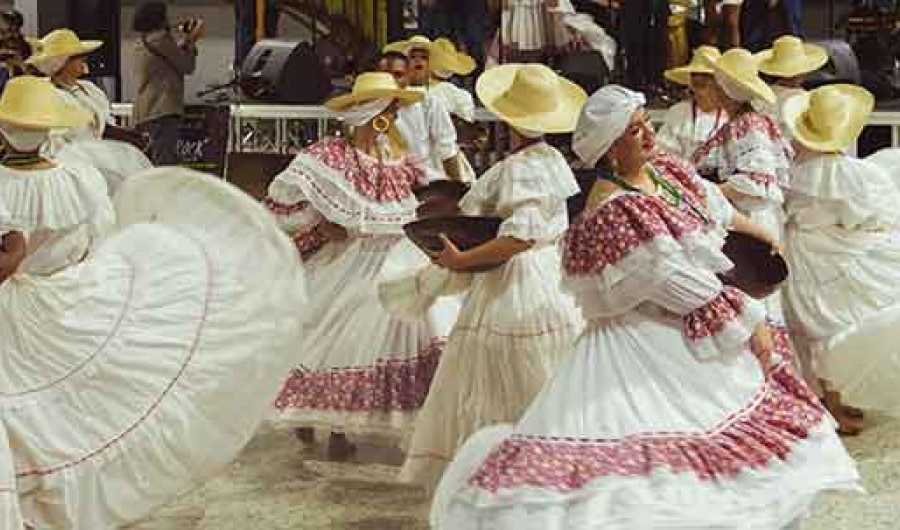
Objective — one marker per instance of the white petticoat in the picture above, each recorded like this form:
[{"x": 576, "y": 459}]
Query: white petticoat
[{"x": 139, "y": 373}]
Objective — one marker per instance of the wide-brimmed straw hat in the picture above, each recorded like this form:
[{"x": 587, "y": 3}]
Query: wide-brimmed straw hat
[
  {"x": 32, "y": 102},
  {"x": 416, "y": 42},
  {"x": 701, "y": 63},
  {"x": 790, "y": 57},
  {"x": 60, "y": 43},
  {"x": 445, "y": 58},
  {"x": 374, "y": 85},
  {"x": 830, "y": 118},
  {"x": 532, "y": 97},
  {"x": 740, "y": 67}
]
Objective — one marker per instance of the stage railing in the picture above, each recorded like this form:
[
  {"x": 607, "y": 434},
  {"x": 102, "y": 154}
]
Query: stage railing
[{"x": 286, "y": 128}]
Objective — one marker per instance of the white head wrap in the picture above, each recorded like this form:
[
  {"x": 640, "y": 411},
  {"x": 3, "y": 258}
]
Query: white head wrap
[
  {"x": 363, "y": 113},
  {"x": 733, "y": 90},
  {"x": 604, "y": 118},
  {"x": 442, "y": 74},
  {"x": 51, "y": 65},
  {"x": 23, "y": 140},
  {"x": 527, "y": 133}
]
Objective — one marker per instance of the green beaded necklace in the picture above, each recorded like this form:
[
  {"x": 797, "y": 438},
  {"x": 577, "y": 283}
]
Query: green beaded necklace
[{"x": 671, "y": 194}]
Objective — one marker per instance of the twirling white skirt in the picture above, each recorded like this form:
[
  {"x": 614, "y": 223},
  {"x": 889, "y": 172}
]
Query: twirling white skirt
[{"x": 139, "y": 373}]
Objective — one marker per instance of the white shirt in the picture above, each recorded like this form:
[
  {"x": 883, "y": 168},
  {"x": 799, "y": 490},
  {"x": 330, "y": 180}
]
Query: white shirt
[
  {"x": 782, "y": 94},
  {"x": 429, "y": 134}
]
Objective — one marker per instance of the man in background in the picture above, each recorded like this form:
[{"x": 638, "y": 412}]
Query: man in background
[{"x": 426, "y": 127}]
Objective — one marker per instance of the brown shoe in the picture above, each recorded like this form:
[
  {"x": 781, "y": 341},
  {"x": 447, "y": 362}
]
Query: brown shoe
[
  {"x": 339, "y": 448},
  {"x": 306, "y": 435}
]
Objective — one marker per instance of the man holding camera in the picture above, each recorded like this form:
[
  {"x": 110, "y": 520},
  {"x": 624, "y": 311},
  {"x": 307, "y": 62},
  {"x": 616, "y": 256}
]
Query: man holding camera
[{"x": 161, "y": 63}]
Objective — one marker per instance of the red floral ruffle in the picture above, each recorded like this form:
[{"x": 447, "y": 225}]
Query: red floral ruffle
[
  {"x": 379, "y": 182},
  {"x": 712, "y": 318},
  {"x": 388, "y": 385},
  {"x": 308, "y": 243},
  {"x": 738, "y": 129},
  {"x": 682, "y": 174},
  {"x": 610, "y": 233},
  {"x": 782, "y": 414}
]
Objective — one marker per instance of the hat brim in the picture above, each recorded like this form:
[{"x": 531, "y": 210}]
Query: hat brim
[
  {"x": 682, "y": 74},
  {"x": 343, "y": 102},
  {"x": 406, "y": 46},
  {"x": 836, "y": 139},
  {"x": 85, "y": 47},
  {"x": 751, "y": 83},
  {"x": 570, "y": 98},
  {"x": 814, "y": 58},
  {"x": 454, "y": 62},
  {"x": 72, "y": 117}
]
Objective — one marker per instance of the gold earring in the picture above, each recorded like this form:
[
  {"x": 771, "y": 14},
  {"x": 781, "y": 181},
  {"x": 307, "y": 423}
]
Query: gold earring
[{"x": 381, "y": 124}]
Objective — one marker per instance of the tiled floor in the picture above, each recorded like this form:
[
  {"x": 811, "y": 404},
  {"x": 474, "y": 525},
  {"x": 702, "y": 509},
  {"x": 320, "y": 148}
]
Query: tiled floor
[{"x": 276, "y": 485}]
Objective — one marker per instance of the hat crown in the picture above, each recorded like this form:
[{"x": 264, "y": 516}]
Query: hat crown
[
  {"x": 787, "y": 48},
  {"x": 33, "y": 102},
  {"x": 827, "y": 109},
  {"x": 706, "y": 55},
  {"x": 739, "y": 60},
  {"x": 374, "y": 81},
  {"x": 534, "y": 88},
  {"x": 60, "y": 39}
]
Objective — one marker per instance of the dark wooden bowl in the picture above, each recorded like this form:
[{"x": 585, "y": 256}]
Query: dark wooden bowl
[
  {"x": 444, "y": 207},
  {"x": 757, "y": 271},
  {"x": 466, "y": 232},
  {"x": 443, "y": 190}
]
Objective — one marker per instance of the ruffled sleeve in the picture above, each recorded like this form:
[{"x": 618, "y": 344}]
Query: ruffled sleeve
[
  {"x": 752, "y": 156},
  {"x": 295, "y": 215},
  {"x": 636, "y": 250},
  {"x": 851, "y": 193},
  {"x": 327, "y": 182},
  {"x": 532, "y": 195},
  {"x": 617, "y": 256}
]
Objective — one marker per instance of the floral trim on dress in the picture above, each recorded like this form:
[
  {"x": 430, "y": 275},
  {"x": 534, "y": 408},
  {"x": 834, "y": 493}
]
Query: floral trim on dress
[
  {"x": 389, "y": 385},
  {"x": 377, "y": 181},
  {"x": 783, "y": 413}
]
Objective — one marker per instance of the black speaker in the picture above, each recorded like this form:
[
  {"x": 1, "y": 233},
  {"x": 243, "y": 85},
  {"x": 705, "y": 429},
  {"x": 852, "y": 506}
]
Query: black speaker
[{"x": 285, "y": 72}]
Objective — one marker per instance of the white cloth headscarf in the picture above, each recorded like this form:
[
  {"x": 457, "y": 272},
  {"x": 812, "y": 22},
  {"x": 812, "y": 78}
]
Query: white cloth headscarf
[
  {"x": 363, "y": 113},
  {"x": 51, "y": 65},
  {"x": 23, "y": 140},
  {"x": 604, "y": 118}
]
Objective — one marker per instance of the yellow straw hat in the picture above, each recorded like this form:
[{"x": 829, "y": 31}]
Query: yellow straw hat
[
  {"x": 374, "y": 85},
  {"x": 830, "y": 118},
  {"x": 739, "y": 66},
  {"x": 446, "y": 59},
  {"x": 33, "y": 103},
  {"x": 700, "y": 63},
  {"x": 60, "y": 43},
  {"x": 416, "y": 42},
  {"x": 532, "y": 97},
  {"x": 790, "y": 57}
]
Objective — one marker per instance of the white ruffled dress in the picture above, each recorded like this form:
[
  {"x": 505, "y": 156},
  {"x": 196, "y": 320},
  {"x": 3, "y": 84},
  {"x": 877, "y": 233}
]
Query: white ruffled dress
[
  {"x": 140, "y": 350},
  {"x": 516, "y": 324},
  {"x": 359, "y": 370},
  {"x": 661, "y": 417},
  {"x": 532, "y": 25},
  {"x": 752, "y": 156},
  {"x": 685, "y": 128},
  {"x": 844, "y": 288},
  {"x": 115, "y": 160}
]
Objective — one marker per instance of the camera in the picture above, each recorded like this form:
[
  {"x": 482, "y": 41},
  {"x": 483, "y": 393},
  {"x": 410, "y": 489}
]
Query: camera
[{"x": 188, "y": 25}]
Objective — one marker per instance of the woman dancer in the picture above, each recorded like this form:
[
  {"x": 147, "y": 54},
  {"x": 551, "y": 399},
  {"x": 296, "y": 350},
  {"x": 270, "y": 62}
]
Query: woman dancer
[
  {"x": 676, "y": 408},
  {"x": 345, "y": 201},
  {"x": 136, "y": 365},
  {"x": 515, "y": 324},
  {"x": 62, "y": 56},
  {"x": 748, "y": 154},
  {"x": 690, "y": 123},
  {"x": 843, "y": 253}
]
